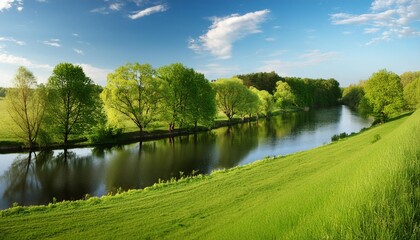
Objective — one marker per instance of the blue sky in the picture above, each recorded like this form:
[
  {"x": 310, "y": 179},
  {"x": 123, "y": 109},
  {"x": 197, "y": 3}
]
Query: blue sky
[{"x": 343, "y": 39}]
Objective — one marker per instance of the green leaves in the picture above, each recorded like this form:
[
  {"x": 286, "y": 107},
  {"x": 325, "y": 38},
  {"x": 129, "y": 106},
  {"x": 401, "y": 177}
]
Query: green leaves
[
  {"x": 385, "y": 93},
  {"x": 133, "y": 92},
  {"x": 72, "y": 99},
  {"x": 26, "y": 105}
]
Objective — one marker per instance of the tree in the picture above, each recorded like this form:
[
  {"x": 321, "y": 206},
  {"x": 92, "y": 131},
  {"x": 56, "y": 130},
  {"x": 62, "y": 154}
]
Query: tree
[
  {"x": 181, "y": 93},
  {"x": 72, "y": 99},
  {"x": 261, "y": 81},
  {"x": 132, "y": 92},
  {"x": 26, "y": 105},
  {"x": 250, "y": 106},
  {"x": 203, "y": 109},
  {"x": 283, "y": 95},
  {"x": 384, "y": 92},
  {"x": 230, "y": 96},
  {"x": 352, "y": 95},
  {"x": 266, "y": 101},
  {"x": 412, "y": 93},
  {"x": 408, "y": 77}
]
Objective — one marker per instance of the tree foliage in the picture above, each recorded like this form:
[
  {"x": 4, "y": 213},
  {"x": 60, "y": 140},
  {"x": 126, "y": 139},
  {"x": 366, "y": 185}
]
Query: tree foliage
[
  {"x": 317, "y": 93},
  {"x": 352, "y": 95},
  {"x": 251, "y": 106},
  {"x": 203, "y": 109},
  {"x": 283, "y": 95},
  {"x": 26, "y": 105},
  {"x": 72, "y": 101},
  {"x": 132, "y": 92},
  {"x": 412, "y": 93},
  {"x": 408, "y": 77},
  {"x": 261, "y": 81},
  {"x": 230, "y": 96},
  {"x": 266, "y": 101},
  {"x": 183, "y": 87},
  {"x": 384, "y": 93}
]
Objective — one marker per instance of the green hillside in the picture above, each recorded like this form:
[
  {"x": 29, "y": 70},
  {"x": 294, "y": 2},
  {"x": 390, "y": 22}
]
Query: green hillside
[{"x": 366, "y": 186}]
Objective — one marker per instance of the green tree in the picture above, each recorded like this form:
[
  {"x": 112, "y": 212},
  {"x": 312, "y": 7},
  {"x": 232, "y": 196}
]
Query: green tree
[
  {"x": 352, "y": 95},
  {"x": 266, "y": 101},
  {"x": 384, "y": 92},
  {"x": 250, "y": 106},
  {"x": 408, "y": 77},
  {"x": 230, "y": 96},
  {"x": 181, "y": 93},
  {"x": 203, "y": 108},
  {"x": 72, "y": 101},
  {"x": 283, "y": 95},
  {"x": 412, "y": 93},
  {"x": 26, "y": 105},
  {"x": 261, "y": 81},
  {"x": 132, "y": 92}
]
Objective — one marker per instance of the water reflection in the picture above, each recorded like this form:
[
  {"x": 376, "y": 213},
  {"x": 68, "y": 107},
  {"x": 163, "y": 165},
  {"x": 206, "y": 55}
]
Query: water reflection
[{"x": 35, "y": 178}]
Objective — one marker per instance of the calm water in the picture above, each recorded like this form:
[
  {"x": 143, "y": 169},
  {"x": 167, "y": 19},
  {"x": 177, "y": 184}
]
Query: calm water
[{"x": 38, "y": 177}]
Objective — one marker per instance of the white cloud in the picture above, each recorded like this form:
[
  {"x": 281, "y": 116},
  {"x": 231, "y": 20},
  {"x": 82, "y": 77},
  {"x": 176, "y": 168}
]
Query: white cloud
[
  {"x": 224, "y": 31},
  {"x": 10, "y": 39},
  {"x": 52, "y": 42},
  {"x": 116, "y": 6},
  {"x": 270, "y": 39},
  {"x": 148, "y": 11},
  {"x": 78, "y": 51},
  {"x": 75, "y": 35},
  {"x": 98, "y": 75},
  {"x": 100, "y": 10},
  {"x": 21, "y": 61},
  {"x": 7, "y": 4},
  {"x": 309, "y": 58},
  {"x": 387, "y": 19}
]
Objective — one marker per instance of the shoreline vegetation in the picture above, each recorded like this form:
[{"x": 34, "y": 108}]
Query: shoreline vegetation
[
  {"x": 133, "y": 136},
  {"x": 360, "y": 186}
]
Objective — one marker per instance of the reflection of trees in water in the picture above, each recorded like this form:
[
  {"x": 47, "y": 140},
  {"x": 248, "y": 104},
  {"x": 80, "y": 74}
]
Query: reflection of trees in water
[
  {"x": 138, "y": 167},
  {"x": 68, "y": 176},
  {"x": 237, "y": 142},
  {"x": 20, "y": 179},
  {"x": 37, "y": 178}
]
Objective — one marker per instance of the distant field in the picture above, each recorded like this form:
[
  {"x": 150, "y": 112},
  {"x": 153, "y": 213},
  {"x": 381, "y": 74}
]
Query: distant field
[
  {"x": 6, "y": 124},
  {"x": 362, "y": 187}
]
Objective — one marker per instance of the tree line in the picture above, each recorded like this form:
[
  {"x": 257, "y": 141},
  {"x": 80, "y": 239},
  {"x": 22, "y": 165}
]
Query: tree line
[
  {"x": 70, "y": 105},
  {"x": 307, "y": 93},
  {"x": 384, "y": 94}
]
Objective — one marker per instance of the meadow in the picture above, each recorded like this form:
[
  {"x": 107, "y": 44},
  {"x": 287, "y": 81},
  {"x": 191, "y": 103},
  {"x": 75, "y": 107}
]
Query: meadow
[{"x": 363, "y": 187}]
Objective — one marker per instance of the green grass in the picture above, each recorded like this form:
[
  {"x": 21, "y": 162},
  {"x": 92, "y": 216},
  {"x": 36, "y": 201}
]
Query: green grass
[
  {"x": 6, "y": 124},
  {"x": 355, "y": 188}
]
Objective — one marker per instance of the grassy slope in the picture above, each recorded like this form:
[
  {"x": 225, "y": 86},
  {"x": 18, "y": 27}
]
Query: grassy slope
[{"x": 350, "y": 189}]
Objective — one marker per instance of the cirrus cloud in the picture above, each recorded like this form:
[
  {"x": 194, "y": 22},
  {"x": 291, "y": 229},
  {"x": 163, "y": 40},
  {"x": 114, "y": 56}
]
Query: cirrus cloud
[
  {"x": 386, "y": 19},
  {"x": 224, "y": 31},
  {"x": 148, "y": 11}
]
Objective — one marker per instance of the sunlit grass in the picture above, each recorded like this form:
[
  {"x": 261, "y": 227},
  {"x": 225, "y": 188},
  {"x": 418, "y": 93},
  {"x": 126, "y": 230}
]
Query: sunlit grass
[
  {"x": 7, "y": 126},
  {"x": 351, "y": 189}
]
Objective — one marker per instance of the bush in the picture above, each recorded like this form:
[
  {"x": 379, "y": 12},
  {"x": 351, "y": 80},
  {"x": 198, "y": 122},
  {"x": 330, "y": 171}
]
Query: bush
[{"x": 105, "y": 134}]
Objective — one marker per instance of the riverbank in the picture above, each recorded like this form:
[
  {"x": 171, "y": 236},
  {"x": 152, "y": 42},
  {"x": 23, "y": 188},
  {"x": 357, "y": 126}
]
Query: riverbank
[
  {"x": 362, "y": 186},
  {"x": 129, "y": 137}
]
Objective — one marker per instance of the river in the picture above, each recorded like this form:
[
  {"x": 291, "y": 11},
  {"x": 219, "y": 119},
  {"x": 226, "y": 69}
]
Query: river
[{"x": 37, "y": 178}]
